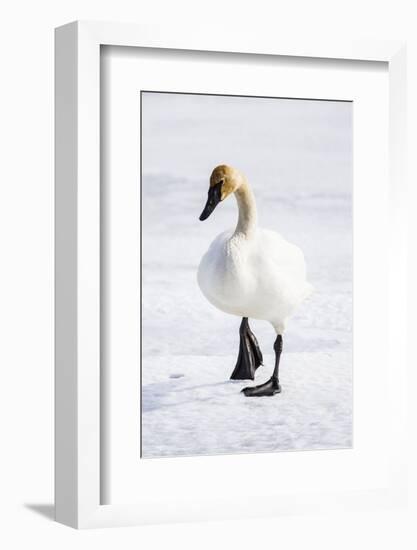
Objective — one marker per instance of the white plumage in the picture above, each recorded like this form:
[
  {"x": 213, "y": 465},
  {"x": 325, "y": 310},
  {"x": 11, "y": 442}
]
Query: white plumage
[{"x": 261, "y": 277}]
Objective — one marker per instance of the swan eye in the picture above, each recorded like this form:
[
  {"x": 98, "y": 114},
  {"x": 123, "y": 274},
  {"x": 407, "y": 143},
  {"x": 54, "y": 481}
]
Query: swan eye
[{"x": 220, "y": 182}]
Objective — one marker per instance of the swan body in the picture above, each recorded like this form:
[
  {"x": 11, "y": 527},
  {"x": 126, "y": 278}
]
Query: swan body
[{"x": 262, "y": 277}]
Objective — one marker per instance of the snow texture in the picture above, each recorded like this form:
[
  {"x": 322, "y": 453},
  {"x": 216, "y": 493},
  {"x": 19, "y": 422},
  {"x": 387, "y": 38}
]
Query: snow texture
[
  {"x": 203, "y": 412},
  {"x": 297, "y": 156}
]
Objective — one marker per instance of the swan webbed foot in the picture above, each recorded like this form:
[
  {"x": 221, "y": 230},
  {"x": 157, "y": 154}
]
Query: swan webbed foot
[
  {"x": 271, "y": 387},
  {"x": 250, "y": 355}
]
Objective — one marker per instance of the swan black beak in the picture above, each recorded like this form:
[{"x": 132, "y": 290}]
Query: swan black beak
[{"x": 214, "y": 197}]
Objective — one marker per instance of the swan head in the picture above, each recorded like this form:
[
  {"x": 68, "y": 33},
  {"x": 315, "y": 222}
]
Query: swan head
[{"x": 224, "y": 180}]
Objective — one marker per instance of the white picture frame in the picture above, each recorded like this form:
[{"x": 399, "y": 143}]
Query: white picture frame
[{"x": 78, "y": 410}]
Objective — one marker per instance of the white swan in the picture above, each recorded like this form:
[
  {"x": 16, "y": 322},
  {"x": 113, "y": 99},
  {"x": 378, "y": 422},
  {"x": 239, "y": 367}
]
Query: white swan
[{"x": 251, "y": 272}]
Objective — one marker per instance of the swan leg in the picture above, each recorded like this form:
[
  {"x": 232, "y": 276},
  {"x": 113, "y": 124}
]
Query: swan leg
[
  {"x": 250, "y": 355},
  {"x": 272, "y": 386}
]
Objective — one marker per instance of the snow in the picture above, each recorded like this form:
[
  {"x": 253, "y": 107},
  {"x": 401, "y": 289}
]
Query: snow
[
  {"x": 298, "y": 158},
  {"x": 204, "y": 413}
]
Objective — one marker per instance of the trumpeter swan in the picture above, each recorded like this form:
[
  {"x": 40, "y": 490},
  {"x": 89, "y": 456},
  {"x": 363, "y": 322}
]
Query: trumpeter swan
[{"x": 251, "y": 272}]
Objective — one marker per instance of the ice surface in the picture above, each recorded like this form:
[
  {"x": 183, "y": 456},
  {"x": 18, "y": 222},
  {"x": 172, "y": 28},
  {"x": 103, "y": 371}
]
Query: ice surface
[{"x": 298, "y": 158}]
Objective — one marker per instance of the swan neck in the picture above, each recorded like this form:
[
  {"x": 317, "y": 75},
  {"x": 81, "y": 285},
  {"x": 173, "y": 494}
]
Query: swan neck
[{"x": 247, "y": 220}]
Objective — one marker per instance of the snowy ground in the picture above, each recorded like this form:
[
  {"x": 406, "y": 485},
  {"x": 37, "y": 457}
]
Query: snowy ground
[
  {"x": 297, "y": 156},
  {"x": 190, "y": 407}
]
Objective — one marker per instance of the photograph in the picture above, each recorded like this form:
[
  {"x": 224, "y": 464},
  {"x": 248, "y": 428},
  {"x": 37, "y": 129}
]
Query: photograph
[
  {"x": 208, "y": 268},
  {"x": 246, "y": 274}
]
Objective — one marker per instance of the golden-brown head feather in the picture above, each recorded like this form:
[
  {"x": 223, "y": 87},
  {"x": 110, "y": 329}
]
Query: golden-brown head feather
[{"x": 230, "y": 177}]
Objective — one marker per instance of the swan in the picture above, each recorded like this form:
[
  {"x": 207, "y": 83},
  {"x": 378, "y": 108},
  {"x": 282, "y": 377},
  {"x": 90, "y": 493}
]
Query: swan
[{"x": 251, "y": 273}]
